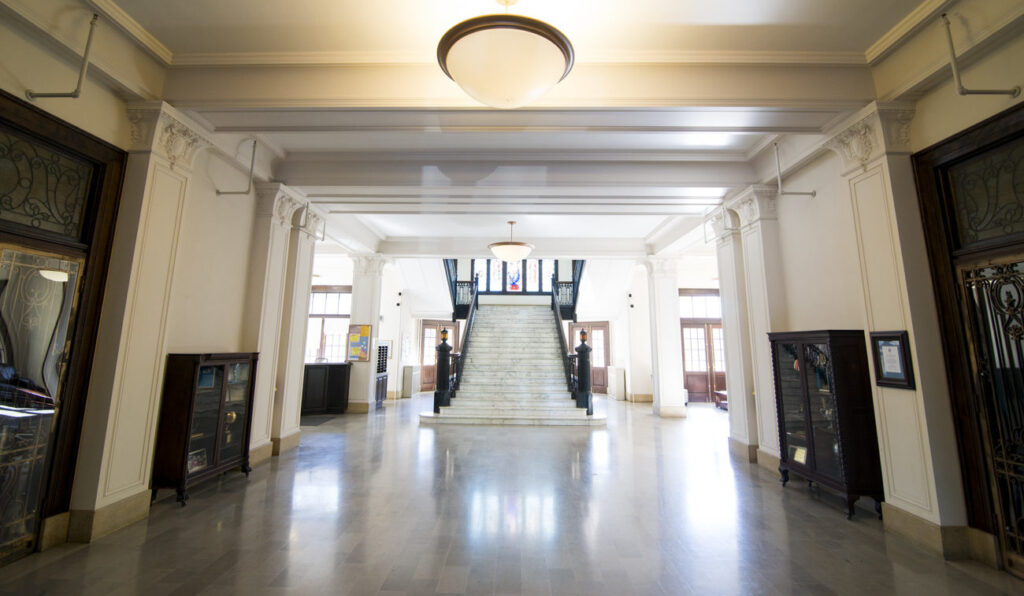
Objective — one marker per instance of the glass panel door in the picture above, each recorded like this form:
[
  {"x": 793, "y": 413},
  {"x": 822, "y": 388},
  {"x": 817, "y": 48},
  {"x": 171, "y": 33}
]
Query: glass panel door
[
  {"x": 794, "y": 420},
  {"x": 202, "y": 445},
  {"x": 235, "y": 412},
  {"x": 822, "y": 405},
  {"x": 38, "y": 295}
]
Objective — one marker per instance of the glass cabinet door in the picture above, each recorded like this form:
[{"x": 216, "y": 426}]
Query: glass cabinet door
[
  {"x": 822, "y": 405},
  {"x": 792, "y": 402},
  {"x": 203, "y": 441},
  {"x": 235, "y": 410}
]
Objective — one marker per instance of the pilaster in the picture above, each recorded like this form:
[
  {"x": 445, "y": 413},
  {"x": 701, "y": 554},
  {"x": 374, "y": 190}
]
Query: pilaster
[
  {"x": 367, "y": 274},
  {"x": 765, "y": 299},
  {"x": 743, "y": 437},
  {"x": 666, "y": 342},
  {"x": 917, "y": 440},
  {"x": 116, "y": 452}
]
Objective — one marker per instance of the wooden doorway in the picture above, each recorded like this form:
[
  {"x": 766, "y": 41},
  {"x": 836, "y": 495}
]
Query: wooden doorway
[
  {"x": 972, "y": 209},
  {"x": 700, "y": 312},
  {"x": 598, "y": 340},
  {"x": 430, "y": 337}
]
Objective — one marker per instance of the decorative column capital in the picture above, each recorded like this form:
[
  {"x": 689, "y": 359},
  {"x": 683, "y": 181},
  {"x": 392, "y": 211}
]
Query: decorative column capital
[
  {"x": 724, "y": 224},
  {"x": 756, "y": 203},
  {"x": 314, "y": 221},
  {"x": 661, "y": 267},
  {"x": 878, "y": 129},
  {"x": 368, "y": 265},
  {"x": 277, "y": 202},
  {"x": 159, "y": 128}
]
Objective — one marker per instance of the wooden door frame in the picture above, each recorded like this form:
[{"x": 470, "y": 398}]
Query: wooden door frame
[
  {"x": 437, "y": 324},
  {"x": 95, "y": 246},
  {"x": 707, "y": 325},
  {"x": 589, "y": 326},
  {"x": 937, "y": 218}
]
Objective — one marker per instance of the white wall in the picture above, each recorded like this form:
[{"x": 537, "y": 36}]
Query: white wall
[{"x": 638, "y": 375}]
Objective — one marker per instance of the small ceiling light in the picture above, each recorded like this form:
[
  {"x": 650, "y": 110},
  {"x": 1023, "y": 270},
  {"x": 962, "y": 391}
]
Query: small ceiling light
[
  {"x": 505, "y": 61},
  {"x": 54, "y": 275},
  {"x": 511, "y": 251}
]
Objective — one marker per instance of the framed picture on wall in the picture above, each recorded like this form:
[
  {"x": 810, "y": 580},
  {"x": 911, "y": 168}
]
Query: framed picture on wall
[
  {"x": 890, "y": 351},
  {"x": 359, "y": 343}
]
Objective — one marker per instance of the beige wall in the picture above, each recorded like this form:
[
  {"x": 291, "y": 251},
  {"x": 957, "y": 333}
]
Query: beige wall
[{"x": 205, "y": 311}]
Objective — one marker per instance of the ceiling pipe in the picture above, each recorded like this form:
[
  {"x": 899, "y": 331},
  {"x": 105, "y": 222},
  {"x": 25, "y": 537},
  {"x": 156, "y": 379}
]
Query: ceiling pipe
[
  {"x": 778, "y": 176},
  {"x": 32, "y": 95},
  {"x": 252, "y": 166},
  {"x": 960, "y": 89}
]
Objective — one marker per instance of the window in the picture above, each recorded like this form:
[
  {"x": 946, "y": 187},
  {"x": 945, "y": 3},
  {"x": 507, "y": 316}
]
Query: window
[
  {"x": 699, "y": 306},
  {"x": 529, "y": 276},
  {"x": 329, "y": 311}
]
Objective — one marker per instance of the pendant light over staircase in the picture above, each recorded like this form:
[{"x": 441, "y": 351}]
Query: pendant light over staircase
[
  {"x": 505, "y": 61},
  {"x": 510, "y": 250}
]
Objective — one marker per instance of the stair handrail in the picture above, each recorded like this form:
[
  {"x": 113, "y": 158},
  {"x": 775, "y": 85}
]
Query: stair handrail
[
  {"x": 474, "y": 302},
  {"x": 564, "y": 346},
  {"x": 451, "y": 273},
  {"x": 577, "y": 276}
]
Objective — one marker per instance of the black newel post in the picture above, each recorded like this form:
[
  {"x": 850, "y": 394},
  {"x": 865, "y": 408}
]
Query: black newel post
[
  {"x": 584, "y": 397},
  {"x": 442, "y": 392}
]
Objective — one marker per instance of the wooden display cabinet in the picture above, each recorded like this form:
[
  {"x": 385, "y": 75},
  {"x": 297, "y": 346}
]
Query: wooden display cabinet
[
  {"x": 826, "y": 418},
  {"x": 205, "y": 419}
]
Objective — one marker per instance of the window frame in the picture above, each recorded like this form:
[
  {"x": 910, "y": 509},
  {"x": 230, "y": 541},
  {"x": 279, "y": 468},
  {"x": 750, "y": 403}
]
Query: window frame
[
  {"x": 504, "y": 277},
  {"x": 321, "y": 347}
]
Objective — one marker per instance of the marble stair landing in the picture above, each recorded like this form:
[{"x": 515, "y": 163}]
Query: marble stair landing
[{"x": 513, "y": 375}]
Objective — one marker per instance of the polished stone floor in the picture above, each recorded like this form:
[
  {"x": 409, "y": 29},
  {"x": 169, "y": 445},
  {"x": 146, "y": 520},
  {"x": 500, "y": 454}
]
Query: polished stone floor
[{"x": 380, "y": 505}]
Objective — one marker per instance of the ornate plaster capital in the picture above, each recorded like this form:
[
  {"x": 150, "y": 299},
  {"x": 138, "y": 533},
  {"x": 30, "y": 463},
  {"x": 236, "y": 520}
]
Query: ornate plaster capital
[
  {"x": 756, "y": 203},
  {"x": 314, "y": 221},
  {"x": 661, "y": 267},
  {"x": 158, "y": 128},
  {"x": 875, "y": 131},
  {"x": 368, "y": 265},
  {"x": 278, "y": 202},
  {"x": 724, "y": 223}
]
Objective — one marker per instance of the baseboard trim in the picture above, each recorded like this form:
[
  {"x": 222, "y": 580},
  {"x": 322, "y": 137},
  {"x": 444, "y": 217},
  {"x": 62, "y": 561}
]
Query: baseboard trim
[
  {"x": 767, "y": 460},
  {"x": 949, "y": 542},
  {"x": 287, "y": 443},
  {"x": 640, "y": 398},
  {"x": 984, "y": 547},
  {"x": 747, "y": 453},
  {"x": 358, "y": 408},
  {"x": 672, "y": 411},
  {"x": 88, "y": 525},
  {"x": 54, "y": 531},
  {"x": 260, "y": 454}
]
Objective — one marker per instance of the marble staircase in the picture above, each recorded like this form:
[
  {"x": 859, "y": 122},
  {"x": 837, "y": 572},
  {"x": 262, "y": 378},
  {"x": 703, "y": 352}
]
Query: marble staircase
[{"x": 513, "y": 373}]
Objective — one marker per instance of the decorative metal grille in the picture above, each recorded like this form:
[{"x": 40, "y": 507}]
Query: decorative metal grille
[
  {"x": 40, "y": 187},
  {"x": 988, "y": 194},
  {"x": 996, "y": 299}
]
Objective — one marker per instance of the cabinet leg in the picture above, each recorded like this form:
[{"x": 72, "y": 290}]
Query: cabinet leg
[
  {"x": 878, "y": 508},
  {"x": 850, "y": 500},
  {"x": 182, "y": 497},
  {"x": 784, "y": 476}
]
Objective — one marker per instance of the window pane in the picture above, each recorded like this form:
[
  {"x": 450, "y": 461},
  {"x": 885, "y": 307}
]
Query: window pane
[
  {"x": 495, "y": 283},
  {"x": 532, "y": 275},
  {"x": 335, "y": 336},
  {"x": 547, "y": 270},
  {"x": 344, "y": 304},
  {"x": 313, "y": 338},
  {"x": 331, "y": 308},
  {"x": 429, "y": 346},
  {"x": 714, "y": 307},
  {"x": 719, "y": 345},
  {"x": 480, "y": 273},
  {"x": 319, "y": 303},
  {"x": 597, "y": 343},
  {"x": 514, "y": 274},
  {"x": 695, "y": 349},
  {"x": 686, "y": 307}
]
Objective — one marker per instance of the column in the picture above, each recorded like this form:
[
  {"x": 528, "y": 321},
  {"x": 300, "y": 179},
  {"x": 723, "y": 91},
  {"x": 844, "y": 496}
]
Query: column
[
  {"x": 294, "y": 322},
  {"x": 924, "y": 497},
  {"x": 739, "y": 375},
  {"x": 268, "y": 268},
  {"x": 111, "y": 487},
  {"x": 366, "y": 294},
  {"x": 666, "y": 341},
  {"x": 766, "y": 302}
]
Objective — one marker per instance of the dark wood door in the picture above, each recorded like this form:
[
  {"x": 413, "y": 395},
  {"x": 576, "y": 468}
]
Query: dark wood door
[
  {"x": 703, "y": 360},
  {"x": 430, "y": 338},
  {"x": 599, "y": 341}
]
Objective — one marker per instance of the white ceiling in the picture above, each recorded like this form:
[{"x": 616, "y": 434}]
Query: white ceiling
[
  {"x": 528, "y": 227},
  {"x": 601, "y": 30}
]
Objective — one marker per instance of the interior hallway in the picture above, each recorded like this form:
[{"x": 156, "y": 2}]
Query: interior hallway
[{"x": 377, "y": 504}]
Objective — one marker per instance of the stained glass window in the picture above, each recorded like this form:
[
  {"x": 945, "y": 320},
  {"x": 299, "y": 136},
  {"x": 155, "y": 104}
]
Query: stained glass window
[
  {"x": 547, "y": 270},
  {"x": 514, "y": 276},
  {"x": 480, "y": 273},
  {"x": 496, "y": 276},
  {"x": 532, "y": 275}
]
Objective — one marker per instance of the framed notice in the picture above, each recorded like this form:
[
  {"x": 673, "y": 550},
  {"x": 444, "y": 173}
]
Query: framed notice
[
  {"x": 891, "y": 353},
  {"x": 358, "y": 343}
]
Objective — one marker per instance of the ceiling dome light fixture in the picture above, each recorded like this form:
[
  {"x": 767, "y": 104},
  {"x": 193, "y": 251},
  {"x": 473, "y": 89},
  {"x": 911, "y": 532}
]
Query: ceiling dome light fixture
[
  {"x": 511, "y": 251},
  {"x": 505, "y": 61}
]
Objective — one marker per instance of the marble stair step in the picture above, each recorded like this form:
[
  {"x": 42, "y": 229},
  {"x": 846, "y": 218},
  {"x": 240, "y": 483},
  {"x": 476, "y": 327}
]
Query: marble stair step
[
  {"x": 449, "y": 418},
  {"x": 524, "y": 404},
  {"x": 503, "y": 412}
]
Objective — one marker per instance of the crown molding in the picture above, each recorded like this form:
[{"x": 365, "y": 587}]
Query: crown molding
[
  {"x": 910, "y": 25},
  {"x": 116, "y": 15},
  {"x": 345, "y": 58}
]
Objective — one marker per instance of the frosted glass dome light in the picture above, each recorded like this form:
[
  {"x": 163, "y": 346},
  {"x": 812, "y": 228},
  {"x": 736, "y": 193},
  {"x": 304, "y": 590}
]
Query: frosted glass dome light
[
  {"x": 505, "y": 61},
  {"x": 509, "y": 250}
]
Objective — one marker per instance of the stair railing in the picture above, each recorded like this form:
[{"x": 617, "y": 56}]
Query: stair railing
[
  {"x": 568, "y": 360},
  {"x": 459, "y": 359}
]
